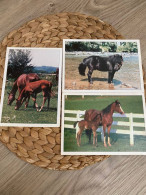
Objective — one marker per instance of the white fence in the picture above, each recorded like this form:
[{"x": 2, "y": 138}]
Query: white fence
[{"x": 78, "y": 115}]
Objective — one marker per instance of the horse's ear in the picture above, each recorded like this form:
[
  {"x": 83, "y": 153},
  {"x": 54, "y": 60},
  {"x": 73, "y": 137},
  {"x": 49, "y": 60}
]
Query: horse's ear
[{"x": 117, "y": 102}]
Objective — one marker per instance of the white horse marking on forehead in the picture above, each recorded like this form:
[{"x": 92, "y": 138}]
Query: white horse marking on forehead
[{"x": 121, "y": 108}]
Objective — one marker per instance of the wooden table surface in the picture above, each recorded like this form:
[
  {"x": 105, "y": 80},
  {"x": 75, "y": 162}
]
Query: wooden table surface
[{"x": 116, "y": 175}]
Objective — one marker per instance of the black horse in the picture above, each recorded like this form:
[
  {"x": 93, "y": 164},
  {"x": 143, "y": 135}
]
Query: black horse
[{"x": 111, "y": 64}]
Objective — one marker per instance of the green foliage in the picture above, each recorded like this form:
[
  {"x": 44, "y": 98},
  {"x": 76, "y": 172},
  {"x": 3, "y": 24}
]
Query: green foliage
[
  {"x": 101, "y": 46},
  {"x": 128, "y": 47},
  {"x": 82, "y": 46},
  {"x": 19, "y": 63},
  {"x": 51, "y": 78}
]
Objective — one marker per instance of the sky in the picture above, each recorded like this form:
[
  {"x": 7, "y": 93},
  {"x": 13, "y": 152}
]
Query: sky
[{"x": 45, "y": 57}]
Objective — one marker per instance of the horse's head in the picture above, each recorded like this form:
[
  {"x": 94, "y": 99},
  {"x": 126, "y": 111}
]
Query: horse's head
[
  {"x": 18, "y": 104},
  {"x": 118, "y": 107},
  {"x": 118, "y": 61},
  {"x": 11, "y": 98}
]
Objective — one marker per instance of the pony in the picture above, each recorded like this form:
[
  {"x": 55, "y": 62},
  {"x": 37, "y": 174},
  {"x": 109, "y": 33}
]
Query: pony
[
  {"x": 31, "y": 89},
  {"x": 111, "y": 64},
  {"x": 83, "y": 124},
  {"x": 107, "y": 118},
  {"x": 19, "y": 85}
]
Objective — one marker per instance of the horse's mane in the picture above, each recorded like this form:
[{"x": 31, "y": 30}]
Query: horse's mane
[{"x": 107, "y": 109}]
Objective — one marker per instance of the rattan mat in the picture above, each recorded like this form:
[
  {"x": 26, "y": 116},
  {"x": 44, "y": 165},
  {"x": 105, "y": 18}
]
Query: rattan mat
[{"x": 41, "y": 146}]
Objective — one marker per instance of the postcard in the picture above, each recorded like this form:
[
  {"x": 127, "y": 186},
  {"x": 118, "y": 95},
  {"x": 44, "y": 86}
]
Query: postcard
[
  {"x": 31, "y": 92},
  {"x": 103, "y": 104},
  {"x": 102, "y": 65},
  {"x": 94, "y": 124}
]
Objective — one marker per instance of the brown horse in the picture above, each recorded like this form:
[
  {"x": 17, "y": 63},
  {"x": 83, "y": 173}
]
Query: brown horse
[
  {"x": 107, "y": 117},
  {"x": 20, "y": 83},
  {"x": 83, "y": 124},
  {"x": 33, "y": 88}
]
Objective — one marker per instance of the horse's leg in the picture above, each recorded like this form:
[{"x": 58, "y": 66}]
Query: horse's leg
[
  {"x": 78, "y": 139},
  {"x": 94, "y": 128},
  {"x": 109, "y": 77},
  {"x": 35, "y": 95},
  {"x": 108, "y": 131},
  {"x": 80, "y": 133},
  {"x": 26, "y": 103},
  {"x": 36, "y": 106},
  {"x": 44, "y": 100},
  {"x": 94, "y": 138},
  {"x": 112, "y": 76},
  {"x": 88, "y": 133},
  {"x": 104, "y": 131},
  {"x": 19, "y": 90},
  {"x": 48, "y": 102},
  {"x": 89, "y": 75}
]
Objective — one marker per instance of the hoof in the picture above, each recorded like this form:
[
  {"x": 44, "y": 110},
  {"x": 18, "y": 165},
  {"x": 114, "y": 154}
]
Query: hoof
[
  {"x": 105, "y": 145},
  {"x": 109, "y": 144}
]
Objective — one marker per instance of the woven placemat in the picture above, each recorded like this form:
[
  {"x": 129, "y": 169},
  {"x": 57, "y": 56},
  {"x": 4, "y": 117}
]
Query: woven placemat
[{"x": 41, "y": 146}]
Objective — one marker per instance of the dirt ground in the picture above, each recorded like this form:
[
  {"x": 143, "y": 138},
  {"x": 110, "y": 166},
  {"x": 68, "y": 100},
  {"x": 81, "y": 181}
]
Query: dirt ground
[{"x": 75, "y": 81}]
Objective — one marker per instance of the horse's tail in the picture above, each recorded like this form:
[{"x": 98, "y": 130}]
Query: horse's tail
[
  {"x": 77, "y": 127},
  {"x": 75, "y": 124},
  {"x": 14, "y": 88},
  {"x": 82, "y": 68}
]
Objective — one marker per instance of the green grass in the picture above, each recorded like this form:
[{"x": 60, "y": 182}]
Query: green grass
[
  {"x": 128, "y": 103},
  {"x": 30, "y": 116},
  {"x": 120, "y": 142}
]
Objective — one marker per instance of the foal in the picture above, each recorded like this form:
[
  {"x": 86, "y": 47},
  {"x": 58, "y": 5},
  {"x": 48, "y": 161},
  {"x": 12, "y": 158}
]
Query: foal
[
  {"x": 19, "y": 85},
  {"x": 83, "y": 124},
  {"x": 107, "y": 117},
  {"x": 32, "y": 89}
]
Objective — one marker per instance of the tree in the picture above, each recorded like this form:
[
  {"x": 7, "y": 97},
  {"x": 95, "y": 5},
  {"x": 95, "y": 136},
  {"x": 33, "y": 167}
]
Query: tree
[{"x": 19, "y": 63}]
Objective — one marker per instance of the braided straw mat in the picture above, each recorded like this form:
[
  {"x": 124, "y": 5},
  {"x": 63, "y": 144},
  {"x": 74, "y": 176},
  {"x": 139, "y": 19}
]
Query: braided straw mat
[{"x": 41, "y": 146}]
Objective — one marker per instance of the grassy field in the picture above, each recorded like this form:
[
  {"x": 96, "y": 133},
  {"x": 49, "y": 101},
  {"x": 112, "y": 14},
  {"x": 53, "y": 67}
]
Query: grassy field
[
  {"x": 120, "y": 142},
  {"x": 30, "y": 116}
]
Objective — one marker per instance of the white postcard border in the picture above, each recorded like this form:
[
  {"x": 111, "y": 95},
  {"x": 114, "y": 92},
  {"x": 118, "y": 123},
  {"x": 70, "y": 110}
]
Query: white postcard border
[
  {"x": 59, "y": 91},
  {"x": 104, "y": 40},
  {"x": 98, "y": 153}
]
